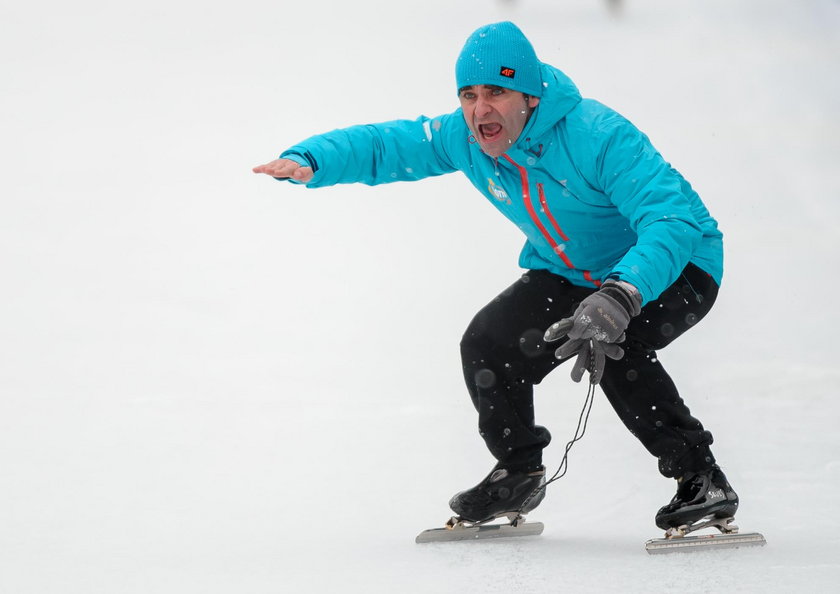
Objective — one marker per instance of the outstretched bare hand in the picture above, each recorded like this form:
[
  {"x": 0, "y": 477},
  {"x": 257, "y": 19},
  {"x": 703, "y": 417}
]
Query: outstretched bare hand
[{"x": 285, "y": 169}]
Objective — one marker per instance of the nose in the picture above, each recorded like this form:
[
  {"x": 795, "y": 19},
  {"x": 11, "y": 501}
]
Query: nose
[{"x": 482, "y": 107}]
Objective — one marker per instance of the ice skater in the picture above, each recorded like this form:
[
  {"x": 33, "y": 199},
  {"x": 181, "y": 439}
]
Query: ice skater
[{"x": 621, "y": 257}]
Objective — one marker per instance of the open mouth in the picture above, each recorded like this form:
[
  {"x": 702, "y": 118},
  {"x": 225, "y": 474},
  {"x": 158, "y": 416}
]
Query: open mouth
[{"x": 490, "y": 132}]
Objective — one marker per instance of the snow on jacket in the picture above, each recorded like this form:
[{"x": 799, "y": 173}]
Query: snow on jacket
[{"x": 593, "y": 197}]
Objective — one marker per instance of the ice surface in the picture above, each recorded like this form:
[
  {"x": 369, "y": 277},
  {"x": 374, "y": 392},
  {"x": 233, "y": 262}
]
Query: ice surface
[{"x": 206, "y": 383}]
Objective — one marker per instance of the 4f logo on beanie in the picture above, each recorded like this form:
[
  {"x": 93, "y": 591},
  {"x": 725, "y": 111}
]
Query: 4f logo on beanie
[{"x": 508, "y": 72}]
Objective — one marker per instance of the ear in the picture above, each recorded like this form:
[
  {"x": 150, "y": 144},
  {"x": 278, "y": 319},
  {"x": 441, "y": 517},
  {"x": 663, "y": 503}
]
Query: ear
[{"x": 533, "y": 101}]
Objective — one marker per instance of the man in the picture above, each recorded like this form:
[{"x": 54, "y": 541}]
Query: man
[{"x": 619, "y": 249}]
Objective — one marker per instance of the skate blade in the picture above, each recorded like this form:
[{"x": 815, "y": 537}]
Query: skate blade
[
  {"x": 480, "y": 532},
  {"x": 688, "y": 544}
]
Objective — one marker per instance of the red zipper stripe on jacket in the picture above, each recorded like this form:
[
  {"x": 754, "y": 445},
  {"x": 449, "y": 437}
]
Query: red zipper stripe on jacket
[
  {"x": 548, "y": 213},
  {"x": 526, "y": 196}
]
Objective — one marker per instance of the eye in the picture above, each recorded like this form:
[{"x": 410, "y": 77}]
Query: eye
[
  {"x": 468, "y": 95},
  {"x": 498, "y": 91}
]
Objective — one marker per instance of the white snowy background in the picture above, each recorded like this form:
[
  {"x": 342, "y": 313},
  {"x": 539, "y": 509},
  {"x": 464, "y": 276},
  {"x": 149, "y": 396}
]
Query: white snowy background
[{"x": 213, "y": 382}]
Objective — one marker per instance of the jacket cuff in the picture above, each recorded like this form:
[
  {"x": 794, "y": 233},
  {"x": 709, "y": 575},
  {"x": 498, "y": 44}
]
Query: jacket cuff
[{"x": 626, "y": 294}]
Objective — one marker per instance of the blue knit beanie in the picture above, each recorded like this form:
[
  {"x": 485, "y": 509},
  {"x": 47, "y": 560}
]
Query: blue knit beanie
[{"x": 499, "y": 54}]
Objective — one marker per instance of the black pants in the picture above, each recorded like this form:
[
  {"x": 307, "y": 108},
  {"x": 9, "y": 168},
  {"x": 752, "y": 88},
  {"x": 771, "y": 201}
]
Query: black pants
[{"x": 504, "y": 356}]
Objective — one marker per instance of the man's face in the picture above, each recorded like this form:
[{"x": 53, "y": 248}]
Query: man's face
[{"x": 495, "y": 115}]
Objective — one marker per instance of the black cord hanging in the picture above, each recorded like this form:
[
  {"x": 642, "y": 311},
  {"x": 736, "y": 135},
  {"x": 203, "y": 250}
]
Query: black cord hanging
[{"x": 580, "y": 431}]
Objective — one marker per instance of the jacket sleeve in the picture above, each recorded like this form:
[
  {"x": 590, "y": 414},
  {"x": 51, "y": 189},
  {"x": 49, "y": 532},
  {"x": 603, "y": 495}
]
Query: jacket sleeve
[
  {"x": 649, "y": 193},
  {"x": 372, "y": 154}
]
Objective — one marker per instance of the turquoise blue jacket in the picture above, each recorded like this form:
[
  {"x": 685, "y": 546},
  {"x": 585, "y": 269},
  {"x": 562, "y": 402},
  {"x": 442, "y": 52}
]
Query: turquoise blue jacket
[{"x": 591, "y": 194}]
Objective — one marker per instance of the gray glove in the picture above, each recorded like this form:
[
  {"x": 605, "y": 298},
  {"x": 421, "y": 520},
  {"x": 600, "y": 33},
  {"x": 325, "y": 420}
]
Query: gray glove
[{"x": 596, "y": 326}]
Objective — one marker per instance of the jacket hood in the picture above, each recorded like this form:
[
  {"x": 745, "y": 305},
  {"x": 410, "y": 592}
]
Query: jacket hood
[{"x": 560, "y": 96}]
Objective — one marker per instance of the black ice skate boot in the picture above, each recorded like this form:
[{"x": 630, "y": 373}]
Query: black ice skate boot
[
  {"x": 501, "y": 492},
  {"x": 699, "y": 494}
]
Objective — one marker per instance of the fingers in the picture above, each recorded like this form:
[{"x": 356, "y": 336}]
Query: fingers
[
  {"x": 591, "y": 356},
  {"x": 582, "y": 362},
  {"x": 285, "y": 169},
  {"x": 569, "y": 348},
  {"x": 612, "y": 350},
  {"x": 598, "y": 362},
  {"x": 558, "y": 330},
  {"x": 277, "y": 168}
]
